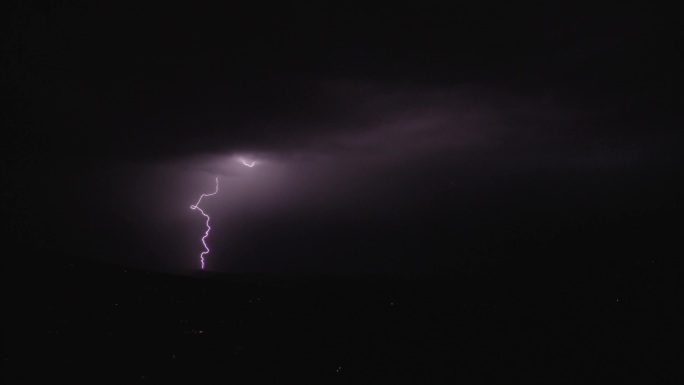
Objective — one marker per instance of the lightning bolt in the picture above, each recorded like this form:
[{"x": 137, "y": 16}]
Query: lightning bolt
[
  {"x": 196, "y": 207},
  {"x": 206, "y": 234}
]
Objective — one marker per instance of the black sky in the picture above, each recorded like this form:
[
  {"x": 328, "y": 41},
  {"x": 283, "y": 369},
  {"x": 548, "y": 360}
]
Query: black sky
[{"x": 417, "y": 137}]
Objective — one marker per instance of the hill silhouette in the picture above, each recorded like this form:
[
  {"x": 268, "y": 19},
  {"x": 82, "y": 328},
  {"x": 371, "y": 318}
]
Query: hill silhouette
[{"x": 85, "y": 322}]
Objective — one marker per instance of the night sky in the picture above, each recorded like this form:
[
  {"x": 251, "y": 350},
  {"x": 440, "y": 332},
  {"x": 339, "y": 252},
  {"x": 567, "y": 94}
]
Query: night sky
[
  {"x": 388, "y": 138},
  {"x": 456, "y": 192}
]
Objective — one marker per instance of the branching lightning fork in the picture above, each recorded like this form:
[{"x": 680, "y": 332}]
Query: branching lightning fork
[
  {"x": 206, "y": 234},
  {"x": 196, "y": 207}
]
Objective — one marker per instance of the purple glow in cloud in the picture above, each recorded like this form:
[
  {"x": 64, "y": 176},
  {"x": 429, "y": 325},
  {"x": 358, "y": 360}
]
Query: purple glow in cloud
[
  {"x": 206, "y": 234},
  {"x": 196, "y": 207}
]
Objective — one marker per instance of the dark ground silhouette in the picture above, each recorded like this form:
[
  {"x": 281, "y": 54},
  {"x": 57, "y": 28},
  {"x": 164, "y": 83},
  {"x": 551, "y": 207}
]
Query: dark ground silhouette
[{"x": 78, "y": 321}]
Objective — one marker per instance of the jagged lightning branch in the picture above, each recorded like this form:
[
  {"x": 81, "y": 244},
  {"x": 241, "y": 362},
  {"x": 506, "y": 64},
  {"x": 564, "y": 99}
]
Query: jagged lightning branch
[
  {"x": 206, "y": 234},
  {"x": 247, "y": 163}
]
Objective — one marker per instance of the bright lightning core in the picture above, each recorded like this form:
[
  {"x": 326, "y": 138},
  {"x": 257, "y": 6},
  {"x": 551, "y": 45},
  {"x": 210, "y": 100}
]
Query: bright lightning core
[
  {"x": 206, "y": 234},
  {"x": 246, "y": 163}
]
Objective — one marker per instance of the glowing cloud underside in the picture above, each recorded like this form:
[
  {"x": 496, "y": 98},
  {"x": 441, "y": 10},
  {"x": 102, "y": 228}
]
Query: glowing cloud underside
[{"x": 206, "y": 234}]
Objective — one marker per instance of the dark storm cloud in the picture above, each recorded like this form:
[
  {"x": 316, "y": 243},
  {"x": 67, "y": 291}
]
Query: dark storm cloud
[
  {"x": 385, "y": 135},
  {"x": 140, "y": 81},
  {"x": 399, "y": 168}
]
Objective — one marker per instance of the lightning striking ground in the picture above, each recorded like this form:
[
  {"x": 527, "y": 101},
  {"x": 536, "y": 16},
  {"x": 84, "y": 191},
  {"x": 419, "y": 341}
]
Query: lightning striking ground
[
  {"x": 206, "y": 234},
  {"x": 196, "y": 207}
]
